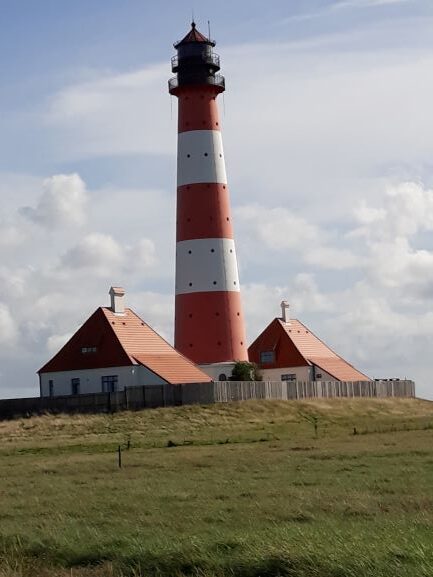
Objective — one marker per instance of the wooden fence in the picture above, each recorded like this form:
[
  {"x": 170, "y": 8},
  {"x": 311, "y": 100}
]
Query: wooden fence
[
  {"x": 286, "y": 390},
  {"x": 136, "y": 398}
]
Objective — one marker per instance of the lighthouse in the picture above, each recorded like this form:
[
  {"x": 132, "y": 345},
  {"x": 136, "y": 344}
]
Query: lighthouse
[{"x": 209, "y": 323}]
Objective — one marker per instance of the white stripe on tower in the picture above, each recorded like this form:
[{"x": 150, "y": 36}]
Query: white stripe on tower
[
  {"x": 200, "y": 157},
  {"x": 206, "y": 264}
]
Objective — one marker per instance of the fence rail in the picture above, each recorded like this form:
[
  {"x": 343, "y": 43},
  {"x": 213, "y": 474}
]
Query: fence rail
[{"x": 136, "y": 398}]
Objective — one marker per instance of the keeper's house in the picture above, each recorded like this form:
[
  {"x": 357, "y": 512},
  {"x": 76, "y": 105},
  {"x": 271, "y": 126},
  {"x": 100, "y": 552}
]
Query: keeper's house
[
  {"x": 288, "y": 351},
  {"x": 112, "y": 350}
]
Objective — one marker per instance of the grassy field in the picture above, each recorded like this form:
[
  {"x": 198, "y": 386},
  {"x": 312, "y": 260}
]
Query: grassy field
[{"x": 249, "y": 489}]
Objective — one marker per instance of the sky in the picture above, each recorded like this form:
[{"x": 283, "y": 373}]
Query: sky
[{"x": 327, "y": 129}]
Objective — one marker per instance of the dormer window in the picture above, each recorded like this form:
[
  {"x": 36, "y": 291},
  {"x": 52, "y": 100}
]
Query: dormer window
[
  {"x": 267, "y": 357},
  {"x": 87, "y": 350}
]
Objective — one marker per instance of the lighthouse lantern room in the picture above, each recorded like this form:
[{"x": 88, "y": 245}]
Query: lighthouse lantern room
[{"x": 209, "y": 323}]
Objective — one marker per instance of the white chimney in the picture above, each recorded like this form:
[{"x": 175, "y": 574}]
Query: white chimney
[
  {"x": 117, "y": 295},
  {"x": 285, "y": 311}
]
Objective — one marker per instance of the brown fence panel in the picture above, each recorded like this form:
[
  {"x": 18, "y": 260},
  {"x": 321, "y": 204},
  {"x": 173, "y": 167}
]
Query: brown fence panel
[
  {"x": 198, "y": 393},
  {"x": 154, "y": 396}
]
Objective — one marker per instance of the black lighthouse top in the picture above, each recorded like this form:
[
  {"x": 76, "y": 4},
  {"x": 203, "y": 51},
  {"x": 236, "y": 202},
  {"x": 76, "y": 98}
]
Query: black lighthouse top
[{"x": 195, "y": 63}]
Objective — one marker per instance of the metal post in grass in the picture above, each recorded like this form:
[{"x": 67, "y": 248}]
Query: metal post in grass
[{"x": 119, "y": 452}]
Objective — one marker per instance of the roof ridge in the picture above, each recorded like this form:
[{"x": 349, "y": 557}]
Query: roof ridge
[
  {"x": 160, "y": 337},
  {"x": 263, "y": 331},
  {"x": 281, "y": 323},
  {"x": 115, "y": 334},
  {"x": 319, "y": 339}
]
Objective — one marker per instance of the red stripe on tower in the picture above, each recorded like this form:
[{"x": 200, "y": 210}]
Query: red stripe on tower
[{"x": 209, "y": 323}]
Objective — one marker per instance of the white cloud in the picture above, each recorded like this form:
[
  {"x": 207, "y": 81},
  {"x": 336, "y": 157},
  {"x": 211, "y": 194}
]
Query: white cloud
[
  {"x": 115, "y": 114},
  {"x": 277, "y": 228},
  {"x": 407, "y": 209},
  {"x": 63, "y": 202},
  {"x": 142, "y": 254},
  {"x": 98, "y": 252},
  {"x": 8, "y": 328},
  {"x": 280, "y": 230},
  {"x": 332, "y": 258},
  {"x": 390, "y": 230},
  {"x": 56, "y": 342},
  {"x": 10, "y": 236},
  {"x": 103, "y": 255}
]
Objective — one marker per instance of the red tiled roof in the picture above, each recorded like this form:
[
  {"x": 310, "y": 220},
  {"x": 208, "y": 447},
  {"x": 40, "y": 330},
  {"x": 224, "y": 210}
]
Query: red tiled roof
[
  {"x": 317, "y": 353},
  {"x": 172, "y": 369},
  {"x": 122, "y": 340},
  {"x": 146, "y": 347},
  {"x": 338, "y": 368}
]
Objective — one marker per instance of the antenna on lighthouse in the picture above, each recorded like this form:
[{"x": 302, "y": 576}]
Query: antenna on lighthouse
[{"x": 208, "y": 27}]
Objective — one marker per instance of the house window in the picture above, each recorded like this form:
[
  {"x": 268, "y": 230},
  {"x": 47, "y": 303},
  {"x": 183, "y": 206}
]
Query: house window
[
  {"x": 51, "y": 388},
  {"x": 109, "y": 383},
  {"x": 75, "y": 386},
  {"x": 318, "y": 376},
  {"x": 222, "y": 377},
  {"x": 289, "y": 377},
  {"x": 267, "y": 357},
  {"x": 87, "y": 350}
]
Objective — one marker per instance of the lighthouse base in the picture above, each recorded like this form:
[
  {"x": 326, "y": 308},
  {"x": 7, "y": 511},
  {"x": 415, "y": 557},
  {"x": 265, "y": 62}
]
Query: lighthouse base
[{"x": 218, "y": 371}]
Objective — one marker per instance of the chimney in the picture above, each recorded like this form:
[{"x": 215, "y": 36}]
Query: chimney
[
  {"x": 117, "y": 295},
  {"x": 285, "y": 311}
]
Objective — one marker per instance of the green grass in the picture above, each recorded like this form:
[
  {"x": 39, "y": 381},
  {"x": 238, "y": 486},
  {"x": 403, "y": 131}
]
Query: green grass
[{"x": 244, "y": 489}]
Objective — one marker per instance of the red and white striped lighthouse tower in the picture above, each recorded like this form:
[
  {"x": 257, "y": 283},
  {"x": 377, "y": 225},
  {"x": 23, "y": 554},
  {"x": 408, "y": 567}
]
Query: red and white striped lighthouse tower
[{"x": 209, "y": 324}]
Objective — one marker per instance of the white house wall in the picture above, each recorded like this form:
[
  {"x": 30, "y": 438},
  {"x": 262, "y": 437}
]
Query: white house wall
[
  {"x": 302, "y": 373},
  {"x": 325, "y": 376},
  {"x": 215, "y": 370},
  {"x": 91, "y": 379}
]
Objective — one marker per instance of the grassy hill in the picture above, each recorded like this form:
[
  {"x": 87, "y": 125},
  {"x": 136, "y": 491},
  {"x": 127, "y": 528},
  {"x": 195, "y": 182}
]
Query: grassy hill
[{"x": 332, "y": 489}]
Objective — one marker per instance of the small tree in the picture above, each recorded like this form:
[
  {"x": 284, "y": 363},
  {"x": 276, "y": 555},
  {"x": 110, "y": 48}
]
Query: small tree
[{"x": 245, "y": 371}]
